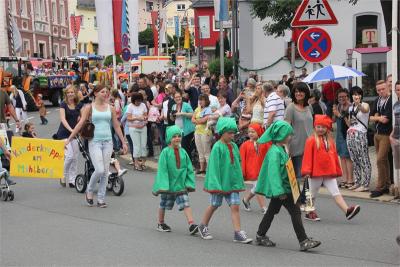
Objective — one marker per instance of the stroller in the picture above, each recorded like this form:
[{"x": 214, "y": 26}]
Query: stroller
[
  {"x": 115, "y": 182},
  {"x": 5, "y": 192}
]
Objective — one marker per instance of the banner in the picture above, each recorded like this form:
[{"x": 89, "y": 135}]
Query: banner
[
  {"x": 105, "y": 29},
  {"x": 37, "y": 158},
  {"x": 16, "y": 35},
  {"x": 186, "y": 44},
  {"x": 177, "y": 30},
  {"x": 221, "y": 10},
  {"x": 292, "y": 180},
  {"x": 154, "y": 26},
  {"x": 133, "y": 9}
]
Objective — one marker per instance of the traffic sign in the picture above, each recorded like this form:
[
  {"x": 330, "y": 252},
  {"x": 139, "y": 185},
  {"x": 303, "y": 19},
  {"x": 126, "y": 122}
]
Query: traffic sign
[
  {"x": 314, "y": 44},
  {"x": 314, "y": 12},
  {"x": 126, "y": 54},
  {"x": 125, "y": 40}
]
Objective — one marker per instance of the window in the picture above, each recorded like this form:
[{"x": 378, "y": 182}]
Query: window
[
  {"x": 365, "y": 22},
  {"x": 149, "y": 6},
  {"x": 56, "y": 52},
  {"x": 64, "y": 51},
  {"x": 204, "y": 24},
  {"x": 37, "y": 8},
  {"x": 42, "y": 50},
  {"x": 22, "y": 7},
  {"x": 62, "y": 14},
  {"x": 180, "y": 7},
  {"x": 54, "y": 11},
  {"x": 170, "y": 22},
  {"x": 82, "y": 21},
  {"x": 95, "y": 21},
  {"x": 191, "y": 22},
  {"x": 13, "y": 6},
  {"x": 149, "y": 25},
  {"x": 85, "y": 48},
  {"x": 42, "y": 9},
  {"x": 26, "y": 47}
]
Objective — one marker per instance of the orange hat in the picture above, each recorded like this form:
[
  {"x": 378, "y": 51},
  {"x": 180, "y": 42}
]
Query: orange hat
[
  {"x": 323, "y": 120},
  {"x": 258, "y": 128}
]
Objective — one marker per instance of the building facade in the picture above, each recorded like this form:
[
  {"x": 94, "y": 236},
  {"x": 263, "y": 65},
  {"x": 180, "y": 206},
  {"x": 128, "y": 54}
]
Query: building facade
[
  {"x": 87, "y": 41},
  {"x": 43, "y": 24},
  {"x": 357, "y": 24},
  {"x": 179, "y": 13}
]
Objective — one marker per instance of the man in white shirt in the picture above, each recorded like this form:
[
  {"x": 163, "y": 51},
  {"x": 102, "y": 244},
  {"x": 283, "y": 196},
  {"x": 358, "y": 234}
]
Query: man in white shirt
[{"x": 274, "y": 109}]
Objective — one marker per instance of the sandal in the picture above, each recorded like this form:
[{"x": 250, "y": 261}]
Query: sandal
[
  {"x": 342, "y": 184},
  {"x": 143, "y": 166},
  {"x": 131, "y": 163},
  {"x": 348, "y": 185}
]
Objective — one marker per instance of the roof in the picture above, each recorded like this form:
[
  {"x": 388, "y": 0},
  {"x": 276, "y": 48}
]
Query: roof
[
  {"x": 369, "y": 50},
  {"x": 85, "y": 4},
  {"x": 202, "y": 3}
]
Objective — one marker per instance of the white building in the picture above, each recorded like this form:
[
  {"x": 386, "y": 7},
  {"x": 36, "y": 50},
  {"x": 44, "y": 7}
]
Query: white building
[{"x": 257, "y": 51}]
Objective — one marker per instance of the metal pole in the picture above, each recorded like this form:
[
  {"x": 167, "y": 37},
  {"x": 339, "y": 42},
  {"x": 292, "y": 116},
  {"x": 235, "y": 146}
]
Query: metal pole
[
  {"x": 115, "y": 71},
  {"x": 221, "y": 47},
  {"x": 234, "y": 46},
  {"x": 292, "y": 55},
  {"x": 395, "y": 28},
  {"x": 199, "y": 44}
]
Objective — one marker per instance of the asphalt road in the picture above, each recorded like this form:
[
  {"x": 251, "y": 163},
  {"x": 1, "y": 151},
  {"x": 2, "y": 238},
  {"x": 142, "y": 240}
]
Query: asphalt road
[{"x": 47, "y": 225}]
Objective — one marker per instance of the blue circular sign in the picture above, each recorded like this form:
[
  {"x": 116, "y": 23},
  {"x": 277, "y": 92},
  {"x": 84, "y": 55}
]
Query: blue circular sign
[{"x": 126, "y": 54}]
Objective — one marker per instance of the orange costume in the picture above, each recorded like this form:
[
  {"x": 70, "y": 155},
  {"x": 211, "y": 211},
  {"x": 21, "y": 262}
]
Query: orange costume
[
  {"x": 252, "y": 155},
  {"x": 320, "y": 162}
]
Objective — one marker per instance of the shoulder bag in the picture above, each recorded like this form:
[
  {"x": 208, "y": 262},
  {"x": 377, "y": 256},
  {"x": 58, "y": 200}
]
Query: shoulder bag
[{"x": 87, "y": 131}]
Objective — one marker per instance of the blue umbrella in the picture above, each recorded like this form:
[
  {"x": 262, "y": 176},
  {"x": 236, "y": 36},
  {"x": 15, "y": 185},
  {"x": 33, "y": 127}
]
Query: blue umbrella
[{"x": 332, "y": 72}]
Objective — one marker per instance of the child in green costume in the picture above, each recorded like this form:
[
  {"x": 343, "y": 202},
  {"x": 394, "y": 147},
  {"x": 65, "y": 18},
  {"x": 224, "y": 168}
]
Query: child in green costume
[
  {"x": 273, "y": 182},
  {"x": 175, "y": 178},
  {"x": 224, "y": 179}
]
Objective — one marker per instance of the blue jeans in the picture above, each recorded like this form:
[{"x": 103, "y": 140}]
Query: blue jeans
[
  {"x": 100, "y": 154},
  {"x": 161, "y": 129}
]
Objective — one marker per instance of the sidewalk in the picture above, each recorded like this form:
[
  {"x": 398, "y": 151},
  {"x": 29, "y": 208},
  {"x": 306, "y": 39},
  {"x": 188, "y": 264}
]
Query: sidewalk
[{"x": 152, "y": 165}]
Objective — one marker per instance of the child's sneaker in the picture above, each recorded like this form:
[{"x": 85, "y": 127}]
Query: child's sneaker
[
  {"x": 352, "y": 211},
  {"x": 122, "y": 172},
  {"x": 264, "y": 241},
  {"x": 312, "y": 216},
  {"x": 101, "y": 205},
  {"x": 241, "y": 237},
  {"x": 246, "y": 205},
  {"x": 264, "y": 210},
  {"x": 309, "y": 244},
  {"x": 203, "y": 231},
  {"x": 163, "y": 227},
  {"x": 9, "y": 181},
  {"x": 193, "y": 229}
]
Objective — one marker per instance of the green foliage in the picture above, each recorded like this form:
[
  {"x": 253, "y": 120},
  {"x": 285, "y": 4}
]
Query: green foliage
[
  {"x": 281, "y": 13},
  {"x": 146, "y": 38},
  {"x": 109, "y": 60},
  {"x": 214, "y": 67}
]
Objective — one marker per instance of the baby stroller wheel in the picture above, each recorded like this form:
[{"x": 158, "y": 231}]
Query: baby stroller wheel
[
  {"x": 80, "y": 183},
  {"x": 118, "y": 186},
  {"x": 110, "y": 183},
  {"x": 11, "y": 195},
  {"x": 5, "y": 195}
]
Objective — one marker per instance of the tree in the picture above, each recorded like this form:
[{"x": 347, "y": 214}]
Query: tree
[
  {"x": 214, "y": 67},
  {"x": 109, "y": 60},
  {"x": 146, "y": 37},
  {"x": 281, "y": 13}
]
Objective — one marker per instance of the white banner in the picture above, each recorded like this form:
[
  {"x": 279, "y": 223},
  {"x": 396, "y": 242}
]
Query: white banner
[
  {"x": 16, "y": 35},
  {"x": 104, "y": 15},
  {"x": 133, "y": 9}
]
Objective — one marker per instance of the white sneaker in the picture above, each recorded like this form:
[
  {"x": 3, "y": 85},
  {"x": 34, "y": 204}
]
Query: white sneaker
[
  {"x": 264, "y": 210},
  {"x": 122, "y": 172}
]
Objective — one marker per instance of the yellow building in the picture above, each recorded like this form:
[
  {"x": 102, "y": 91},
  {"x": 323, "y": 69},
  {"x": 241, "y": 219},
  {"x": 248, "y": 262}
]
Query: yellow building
[
  {"x": 177, "y": 13},
  {"x": 88, "y": 37}
]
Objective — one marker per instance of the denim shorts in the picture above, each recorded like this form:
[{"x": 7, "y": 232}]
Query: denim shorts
[
  {"x": 168, "y": 200},
  {"x": 231, "y": 198}
]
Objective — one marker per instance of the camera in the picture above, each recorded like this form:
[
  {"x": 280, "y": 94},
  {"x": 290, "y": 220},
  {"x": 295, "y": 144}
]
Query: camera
[{"x": 173, "y": 113}]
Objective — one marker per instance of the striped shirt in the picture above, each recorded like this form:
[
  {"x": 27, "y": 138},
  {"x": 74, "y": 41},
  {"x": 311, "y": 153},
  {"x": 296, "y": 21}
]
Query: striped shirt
[{"x": 274, "y": 103}]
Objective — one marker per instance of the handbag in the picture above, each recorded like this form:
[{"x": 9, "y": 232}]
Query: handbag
[{"x": 87, "y": 131}]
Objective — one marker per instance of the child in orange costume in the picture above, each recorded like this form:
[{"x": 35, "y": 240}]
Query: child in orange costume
[
  {"x": 252, "y": 156},
  {"x": 321, "y": 165}
]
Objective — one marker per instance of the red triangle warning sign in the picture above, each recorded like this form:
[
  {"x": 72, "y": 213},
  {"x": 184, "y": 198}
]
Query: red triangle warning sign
[{"x": 314, "y": 12}]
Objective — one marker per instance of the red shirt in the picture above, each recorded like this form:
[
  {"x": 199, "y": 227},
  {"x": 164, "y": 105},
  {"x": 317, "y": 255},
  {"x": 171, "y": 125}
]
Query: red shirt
[
  {"x": 252, "y": 159},
  {"x": 329, "y": 90},
  {"x": 319, "y": 162}
]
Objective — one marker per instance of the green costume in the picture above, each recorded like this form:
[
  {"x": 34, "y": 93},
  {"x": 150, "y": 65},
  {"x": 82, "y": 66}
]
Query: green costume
[
  {"x": 224, "y": 172},
  {"x": 273, "y": 179},
  {"x": 170, "y": 178}
]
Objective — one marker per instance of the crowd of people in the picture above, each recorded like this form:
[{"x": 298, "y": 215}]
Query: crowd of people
[{"x": 203, "y": 128}]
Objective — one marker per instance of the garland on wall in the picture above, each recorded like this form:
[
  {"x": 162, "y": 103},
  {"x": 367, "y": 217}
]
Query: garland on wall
[{"x": 273, "y": 64}]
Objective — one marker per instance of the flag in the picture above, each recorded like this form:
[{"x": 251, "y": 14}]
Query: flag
[
  {"x": 186, "y": 44},
  {"x": 133, "y": 9},
  {"x": 176, "y": 21},
  {"x": 163, "y": 26},
  {"x": 117, "y": 25},
  {"x": 105, "y": 29},
  {"x": 16, "y": 35},
  {"x": 221, "y": 10},
  {"x": 155, "y": 27}
]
